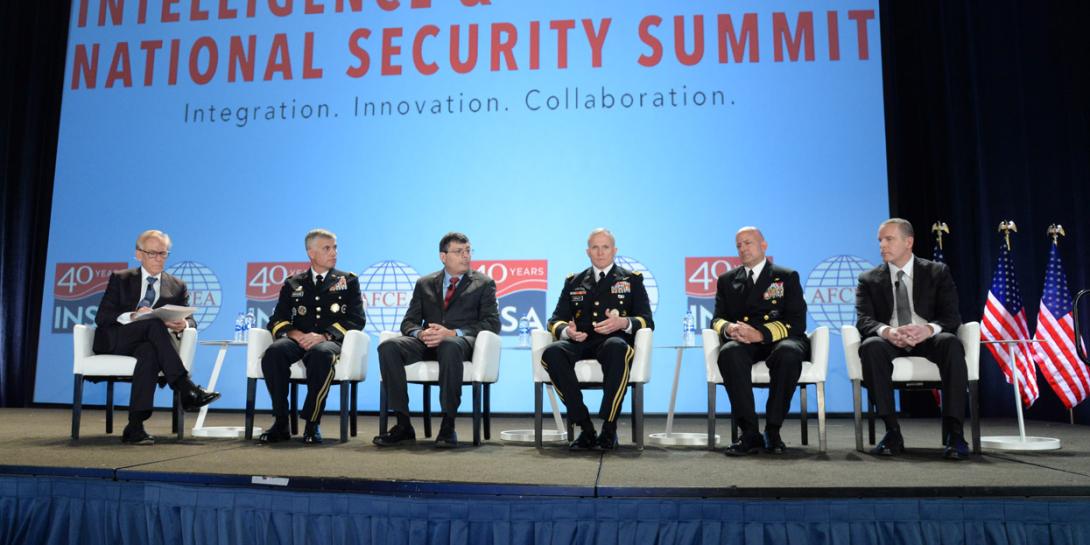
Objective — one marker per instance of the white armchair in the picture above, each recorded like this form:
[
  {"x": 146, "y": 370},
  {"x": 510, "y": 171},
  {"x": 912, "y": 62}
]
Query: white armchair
[
  {"x": 589, "y": 373},
  {"x": 481, "y": 372},
  {"x": 87, "y": 366},
  {"x": 814, "y": 372},
  {"x": 350, "y": 370},
  {"x": 913, "y": 373}
]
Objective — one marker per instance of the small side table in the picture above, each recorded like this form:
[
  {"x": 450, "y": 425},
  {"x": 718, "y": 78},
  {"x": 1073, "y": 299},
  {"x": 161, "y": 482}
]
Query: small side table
[
  {"x": 559, "y": 435},
  {"x": 199, "y": 429},
  {"x": 669, "y": 438},
  {"x": 1020, "y": 442}
]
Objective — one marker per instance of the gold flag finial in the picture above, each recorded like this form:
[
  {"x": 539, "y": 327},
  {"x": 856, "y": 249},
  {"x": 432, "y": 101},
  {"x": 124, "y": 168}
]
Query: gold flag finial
[
  {"x": 938, "y": 228},
  {"x": 1006, "y": 227},
  {"x": 1056, "y": 231}
]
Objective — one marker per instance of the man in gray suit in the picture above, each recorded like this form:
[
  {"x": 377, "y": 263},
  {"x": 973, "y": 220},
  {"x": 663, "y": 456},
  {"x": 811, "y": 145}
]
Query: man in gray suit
[{"x": 449, "y": 307}]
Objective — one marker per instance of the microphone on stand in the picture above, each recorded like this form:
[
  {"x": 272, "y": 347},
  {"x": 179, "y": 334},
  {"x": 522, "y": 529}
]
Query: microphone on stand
[{"x": 1080, "y": 348}]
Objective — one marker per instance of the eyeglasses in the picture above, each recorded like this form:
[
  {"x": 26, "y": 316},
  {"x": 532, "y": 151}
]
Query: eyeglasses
[
  {"x": 156, "y": 255},
  {"x": 460, "y": 252}
]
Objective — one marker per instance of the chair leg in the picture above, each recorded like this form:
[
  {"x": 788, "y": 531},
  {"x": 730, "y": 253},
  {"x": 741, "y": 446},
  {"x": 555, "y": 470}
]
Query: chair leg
[
  {"x": 293, "y": 409},
  {"x": 974, "y": 414},
  {"x": 820, "y": 387},
  {"x": 476, "y": 414},
  {"x": 427, "y": 410},
  {"x": 175, "y": 399},
  {"x": 180, "y": 414},
  {"x": 539, "y": 392},
  {"x": 77, "y": 404},
  {"x": 870, "y": 417},
  {"x": 343, "y": 388},
  {"x": 803, "y": 414},
  {"x": 382, "y": 416},
  {"x": 354, "y": 410},
  {"x": 711, "y": 416},
  {"x": 251, "y": 398},
  {"x": 487, "y": 411},
  {"x": 109, "y": 406},
  {"x": 632, "y": 416},
  {"x": 637, "y": 408},
  {"x": 857, "y": 410}
]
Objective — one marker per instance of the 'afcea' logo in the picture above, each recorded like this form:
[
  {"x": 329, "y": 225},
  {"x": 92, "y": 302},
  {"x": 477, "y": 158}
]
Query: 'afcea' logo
[
  {"x": 701, "y": 279},
  {"x": 520, "y": 290},
  {"x": 204, "y": 288},
  {"x": 649, "y": 281},
  {"x": 387, "y": 288},
  {"x": 77, "y": 290},
  {"x": 830, "y": 290},
  {"x": 263, "y": 283}
]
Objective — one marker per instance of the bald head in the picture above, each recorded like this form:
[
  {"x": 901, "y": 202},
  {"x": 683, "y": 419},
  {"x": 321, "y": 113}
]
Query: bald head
[
  {"x": 751, "y": 229},
  {"x": 751, "y": 246}
]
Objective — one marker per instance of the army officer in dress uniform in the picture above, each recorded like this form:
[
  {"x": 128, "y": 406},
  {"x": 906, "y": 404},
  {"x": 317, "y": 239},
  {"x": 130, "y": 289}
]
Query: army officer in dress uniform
[
  {"x": 597, "y": 316},
  {"x": 316, "y": 309},
  {"x": 760, "y": 314}
]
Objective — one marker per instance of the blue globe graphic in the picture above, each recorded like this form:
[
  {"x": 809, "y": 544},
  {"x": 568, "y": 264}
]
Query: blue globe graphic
[
  {"x": 387, "y": 288},
  {"x": 204, "y": 288},
  {"x": 836, "y": 275},
  {"x": 649, "y": 282}
]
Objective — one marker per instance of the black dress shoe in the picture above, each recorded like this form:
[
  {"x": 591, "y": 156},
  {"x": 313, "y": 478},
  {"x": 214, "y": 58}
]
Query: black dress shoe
[
  {"x": 956, "y": 448},
  {"x": 194, "y": 397},
  {"x": 397, "y": 434},
  {"x": 585, "y": 441},
  {"x": 447, "y": 437},
  {"x": 312, "y": 434},
  {"x": 891, "y": 444},
  {"x": 749, "y": 443},
  {"x": 136, "y": 436},
  {"x": 275, "y": 434},
  {"x": 607, "y": 440},
  {"x": 773, "y": 443}
]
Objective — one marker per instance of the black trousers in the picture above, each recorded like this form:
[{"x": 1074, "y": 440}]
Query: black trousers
[
  {"x": 784, "y": 360},
  {"x": 613, "y": 353},
  {"x": 396, "y": 353},
  {"x": 944, "y": 349},
  {"x": 319, "y": 361},
  {"x": 149, "y": 342}
]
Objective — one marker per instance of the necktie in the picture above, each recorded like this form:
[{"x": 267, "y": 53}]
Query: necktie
[
  {"x": 318, "y": 280},
  {"x": 149, "y": 295},
  {"x": 904, "y": 312},
  {"x": 601, "y": 276},
  {"x": 450, "y": 292},
  {"x": 749, "y": 282}
]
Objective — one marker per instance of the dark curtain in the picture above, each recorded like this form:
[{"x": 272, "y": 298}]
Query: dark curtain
[
  {"x": 32, "y": 48},
  {"x": 987, "y": 120}
]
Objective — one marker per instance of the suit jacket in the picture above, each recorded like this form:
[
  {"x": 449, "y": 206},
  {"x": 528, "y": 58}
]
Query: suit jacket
[
  {"x": 123, "y": 291},
  {"x": 775, "y": 305},
  {"x": 472, "y": 309},
  {"x": 334, "y": 307},
  {"x": 934, "y": 297},
  {"x": 585, "y": 301}
]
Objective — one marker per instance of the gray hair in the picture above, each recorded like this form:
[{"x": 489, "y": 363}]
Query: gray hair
[
  {"x": 318, "y": 233},
  {"x": 152, "y": 233},
  {"x": 602, "y": 231},
  {"x": 904, "y": 225}
]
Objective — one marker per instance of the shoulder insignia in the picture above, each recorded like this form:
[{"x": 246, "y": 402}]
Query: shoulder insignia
[
  {"x": 351, "y": 274},
  {"x": 571, "y": 275},
  {"x": 637, "y": 273}
]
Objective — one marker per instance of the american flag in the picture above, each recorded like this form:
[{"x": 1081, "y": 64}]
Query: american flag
[
  {"x": 1005, "y": 319},
  {"x": 937, "y": 257},
  {"x": 1056, "y": 356}
]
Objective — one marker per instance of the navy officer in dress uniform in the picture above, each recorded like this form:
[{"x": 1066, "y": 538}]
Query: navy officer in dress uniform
[
  {"x": 760, "y": 314},
  {"x": 597, "y": 316},
  {"x": 316, "y": 309}
]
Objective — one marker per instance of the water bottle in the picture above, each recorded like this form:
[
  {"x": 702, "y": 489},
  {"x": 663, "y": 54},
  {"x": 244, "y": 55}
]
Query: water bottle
[
  {"x": 689, "y": 329},
  {"x": 251, "y": 320},
  {"x": 239, "y": 321},
  {"x": 524, "y": 331}
]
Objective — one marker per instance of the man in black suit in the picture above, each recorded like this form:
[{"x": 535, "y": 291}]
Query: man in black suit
[
  {"x": 908, "y": 306},
  {"x": 599, "y": 311},
  {"x": 315, "y": 310},
  {"x": 760, "y": 314},
  {"x": 449, "y": 307},
  {"x": 129, "y": 294}
]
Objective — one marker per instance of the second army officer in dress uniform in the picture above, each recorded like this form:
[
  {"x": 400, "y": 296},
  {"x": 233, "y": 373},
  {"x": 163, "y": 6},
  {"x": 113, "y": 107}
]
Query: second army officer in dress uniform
[
  {"x": 760, "y": 314},
  {"x": 597, "y": 317},
  {"x": 316, "y": 309}
]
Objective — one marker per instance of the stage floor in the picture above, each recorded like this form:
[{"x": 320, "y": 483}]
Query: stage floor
[{"x": 36, "y": 442}]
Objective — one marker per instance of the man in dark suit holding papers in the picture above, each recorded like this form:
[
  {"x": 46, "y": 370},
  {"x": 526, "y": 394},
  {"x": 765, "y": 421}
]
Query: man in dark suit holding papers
[
  {"x": 760, "y": 314},
  {"x": 908, "y": 306},
  {"x": 449, "y": 307},
  {"x": 130, "y": 294}
]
